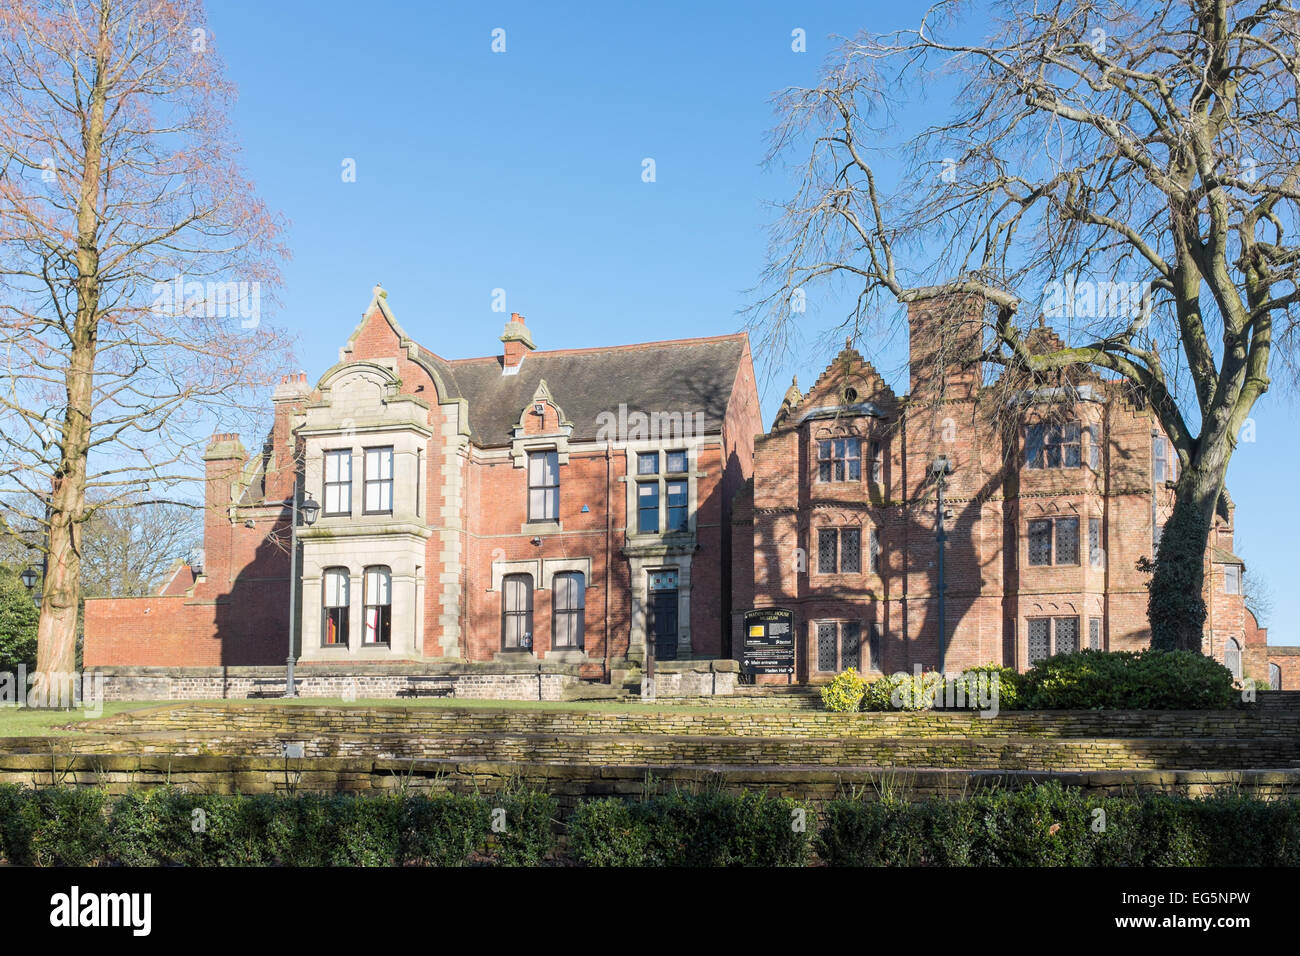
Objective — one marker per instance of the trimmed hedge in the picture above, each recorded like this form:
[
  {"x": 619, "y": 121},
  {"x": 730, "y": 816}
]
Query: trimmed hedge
[
  {"x": 680, "y": 829},
  {"x": 81, "y": 827},
  {"x": 1050, "y": 825},
  {"x": 1041, "y": 825}
]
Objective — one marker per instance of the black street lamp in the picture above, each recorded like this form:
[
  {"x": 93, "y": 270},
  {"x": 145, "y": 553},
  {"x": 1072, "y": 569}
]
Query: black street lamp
[
  {"x": 29, "y": 578},
  {"x": 310, "y": 511},
  {"x": 940, "y": 469}
]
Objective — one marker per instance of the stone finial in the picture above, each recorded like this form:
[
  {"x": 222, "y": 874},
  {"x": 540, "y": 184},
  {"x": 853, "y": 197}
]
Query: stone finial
[{"x": 380, "y": 292}]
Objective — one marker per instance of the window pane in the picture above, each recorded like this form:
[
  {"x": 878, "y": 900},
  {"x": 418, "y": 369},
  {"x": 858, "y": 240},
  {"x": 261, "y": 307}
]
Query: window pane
[
  {"x": 1034, "y": 446},
  {"x": 647, "y": 463},
  {"x": 1094, "y": 542},
  {"x": 875, "y": 551},
  {"x": 1067, "y": 540},
  {"x": 826, "y": 657},
  {"x": 824, "y": 449},
  {"x": 676, "y": 462},
  {"x": 1067, "y": 635},
  {"x": 826, "y": 547},
  {"x": 1039, "y": 639},
  {"x": 1094, "y": 633},
  {"x": 336, "y": 588},
  {"x": 1232, "y": 658},
  {"x": 677, "y": 509},
  {"x": 1040, "y": 542},
  {"x": 874, "y": 649},
  {"x": 647, "y": 495},
  {"x": 851, "y": 550},
  {"x": 824, "y": 471},
  {"x": 379, "y": 586},
  {"x": 850, "y": 646},
  {"x": 1094, "y": 446}
]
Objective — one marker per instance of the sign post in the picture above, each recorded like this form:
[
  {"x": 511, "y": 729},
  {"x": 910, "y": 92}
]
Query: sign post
[{"x": 769, "y": 642}]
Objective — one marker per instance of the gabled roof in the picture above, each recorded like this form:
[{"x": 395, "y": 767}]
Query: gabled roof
[{"x": 685, "y": 376}]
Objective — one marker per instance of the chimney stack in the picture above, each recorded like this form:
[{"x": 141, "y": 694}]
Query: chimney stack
[{"x": 518, "y": 341}]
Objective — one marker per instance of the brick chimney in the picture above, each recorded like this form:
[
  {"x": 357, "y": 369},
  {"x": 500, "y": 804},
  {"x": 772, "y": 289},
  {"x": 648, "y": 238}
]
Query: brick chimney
[
  {"x": 289, "y": 400},
  {"x": 518, "y": 341},
  {"x": 224, "y": 461},
  {"x": 945, "y": 339}
]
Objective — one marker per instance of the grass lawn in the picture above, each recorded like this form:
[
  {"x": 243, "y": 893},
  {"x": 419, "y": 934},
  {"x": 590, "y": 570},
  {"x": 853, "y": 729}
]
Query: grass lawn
[{"x": 21, "y": 722}]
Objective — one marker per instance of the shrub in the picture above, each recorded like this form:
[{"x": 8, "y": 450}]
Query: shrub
[
  {"x": 15, "y": 835},
  {"x": 1051, "y": 825},
  {"x": 528, "y": 834},
  {"x": 66, "y": 826},
  {"x": 902, "y": 692},
  {"x": 608, "y": 832},
  {"x": 844, "y": 692},
  {"x": 1142, "y": 680},
  {"x": 1008, "y": 685},
  {"x": 366, "y": 831},
  {"x": 443, "y": 830},
  {"x": 683, "y": 829}
]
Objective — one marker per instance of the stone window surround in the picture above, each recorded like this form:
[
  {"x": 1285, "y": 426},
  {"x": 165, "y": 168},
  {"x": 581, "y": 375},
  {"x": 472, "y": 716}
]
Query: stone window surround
[
  {"x": 631, "y": 450},
  {"x": 406, "y": 593},
  {"x": 541, "y": 569},
  {"x": 641, "y": 566}
]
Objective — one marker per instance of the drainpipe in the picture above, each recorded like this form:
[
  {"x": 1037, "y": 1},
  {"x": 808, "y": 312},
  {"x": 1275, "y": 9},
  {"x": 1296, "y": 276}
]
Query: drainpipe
[{"x": 609, "y": 519}]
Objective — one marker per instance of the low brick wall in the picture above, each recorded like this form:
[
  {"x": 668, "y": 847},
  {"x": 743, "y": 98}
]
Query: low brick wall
[{"x": 210, "y": 774}]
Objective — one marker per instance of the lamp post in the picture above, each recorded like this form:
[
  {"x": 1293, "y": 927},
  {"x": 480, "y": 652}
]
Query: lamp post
[
  {"x": 940, "y": 469},
  {"x": 28, "y": 578},
  {"x": 310, "y": 510}
]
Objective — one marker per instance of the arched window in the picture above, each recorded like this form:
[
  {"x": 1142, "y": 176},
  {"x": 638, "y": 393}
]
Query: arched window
[
  {"x": 570, "y": 590},
  {"x": 1274, "y": 677},
  {"x": 517, "y": 612},
  {"x": 378, "y": 598},
  {"x": 334, "y": 605},
  {"x": 1232, "y": 658}
]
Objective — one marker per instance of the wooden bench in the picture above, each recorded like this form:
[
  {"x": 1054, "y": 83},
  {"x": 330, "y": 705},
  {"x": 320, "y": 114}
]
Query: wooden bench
[
  {"x": 438, "y": 687},
  {"x": 269, "y": 687}
]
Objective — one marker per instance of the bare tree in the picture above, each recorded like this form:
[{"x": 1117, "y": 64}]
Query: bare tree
[
  {"x": 129, "y": 549},
  {"x": 135, "y": 261},
  {"x": 1146, "y": 144}
]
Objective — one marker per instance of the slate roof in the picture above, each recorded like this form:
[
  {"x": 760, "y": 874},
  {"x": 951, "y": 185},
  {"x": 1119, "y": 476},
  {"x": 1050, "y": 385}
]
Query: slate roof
[{"x": 686, "y": 376}]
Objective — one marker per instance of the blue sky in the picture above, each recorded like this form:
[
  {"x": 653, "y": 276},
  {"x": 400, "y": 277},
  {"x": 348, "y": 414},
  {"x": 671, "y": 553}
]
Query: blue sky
[{"x": 521, "y": 171}]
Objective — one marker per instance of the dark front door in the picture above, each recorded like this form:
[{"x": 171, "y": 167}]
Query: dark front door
[{"x": 663, "y": 623}]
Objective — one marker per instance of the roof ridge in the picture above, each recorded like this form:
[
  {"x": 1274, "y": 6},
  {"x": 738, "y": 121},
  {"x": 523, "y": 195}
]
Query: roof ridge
[{"x": 699, "y": 340}]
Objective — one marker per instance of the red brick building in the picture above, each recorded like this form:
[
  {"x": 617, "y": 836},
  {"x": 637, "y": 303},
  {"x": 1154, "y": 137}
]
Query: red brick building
[
  {"x": 550, "y": 505},
  {"x": 568, "y": 506},
  {"x": 1055, "y": 493}
]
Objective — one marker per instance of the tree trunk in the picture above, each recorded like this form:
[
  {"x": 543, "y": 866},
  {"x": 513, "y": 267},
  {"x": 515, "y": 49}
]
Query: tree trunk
[
  {"x": 1177, "y": 599},
  {"x": 56, "y": 647}
]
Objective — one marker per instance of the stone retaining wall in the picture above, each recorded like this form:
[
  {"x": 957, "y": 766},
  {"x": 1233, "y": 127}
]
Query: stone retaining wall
[
  {"x": 207, "y": 774},
  {"x": 307, "y": 719}
]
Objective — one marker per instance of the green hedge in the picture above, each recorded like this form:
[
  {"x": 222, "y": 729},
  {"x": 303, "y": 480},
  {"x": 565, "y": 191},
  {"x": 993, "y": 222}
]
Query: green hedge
[
  {"x": 84, "y": 827},
  {"x": 1041, "y": 825},
  {"x": 1085, "y": 680},
  {"x": 708, "y": 829},
  {"x": 1050, "y": 825},
  {"x": 1128, "y": 680}
]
